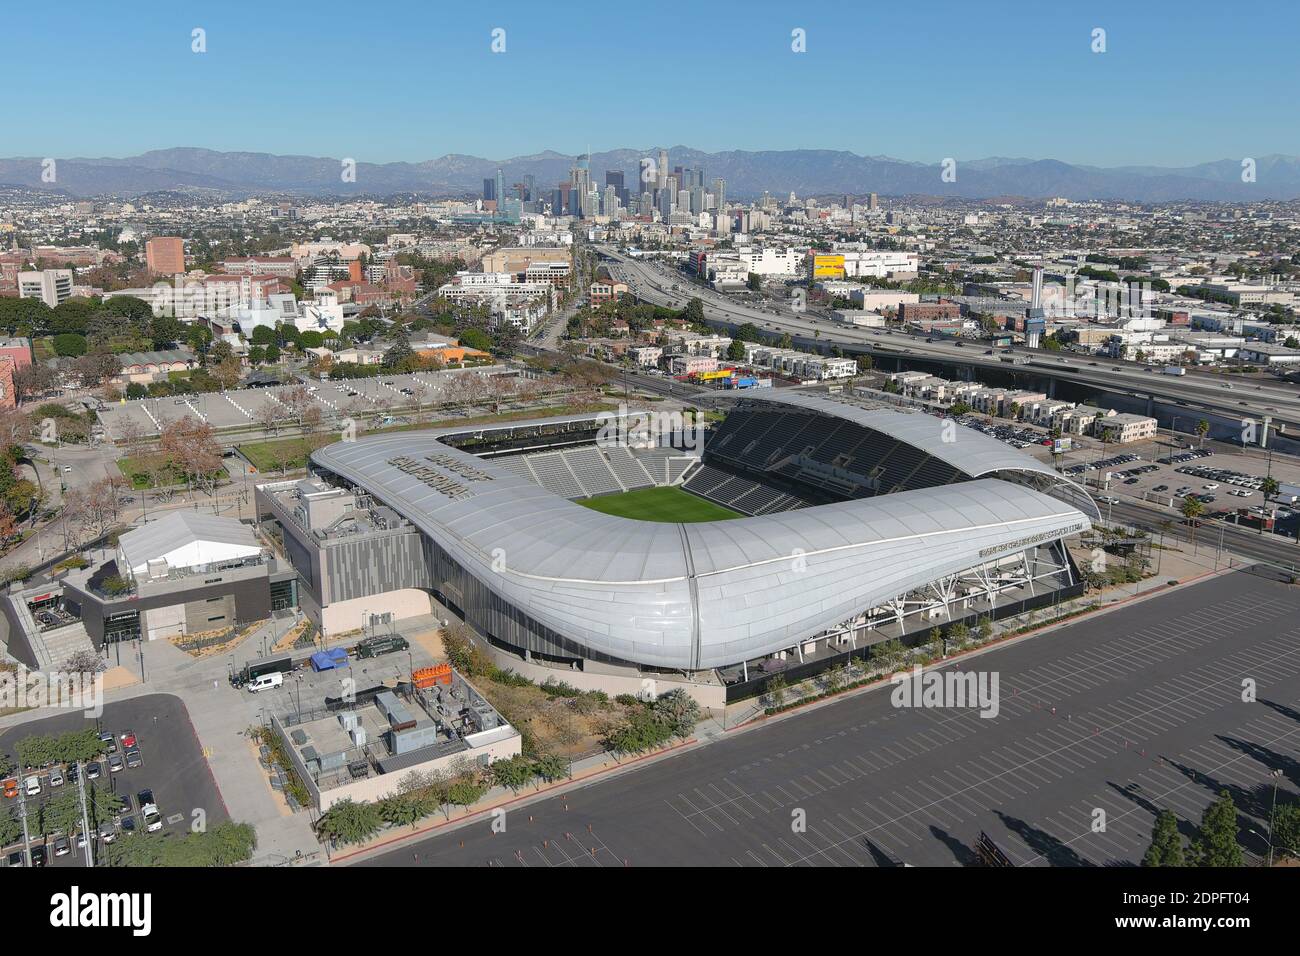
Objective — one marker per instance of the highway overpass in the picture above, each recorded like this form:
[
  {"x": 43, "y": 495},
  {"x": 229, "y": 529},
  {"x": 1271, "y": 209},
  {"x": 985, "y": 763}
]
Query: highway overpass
[{"x": 814, "y": 330}]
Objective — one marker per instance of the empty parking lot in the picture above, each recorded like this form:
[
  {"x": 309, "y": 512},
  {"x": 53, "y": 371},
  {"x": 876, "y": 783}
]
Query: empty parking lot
[{"x": 1101, "y": 724}]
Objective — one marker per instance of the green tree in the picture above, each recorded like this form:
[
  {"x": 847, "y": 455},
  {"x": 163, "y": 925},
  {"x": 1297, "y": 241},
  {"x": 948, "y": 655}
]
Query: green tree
[
  {"x": 1216, "y": 844},
  {"x": 350, "y": 822},
  {"x": 1192, "y": 508},
  {"x": 405, "y": 809},
  {"x": 11, "y": 829},
  {"x": 1166, "y": 847},
  {"x": 1286, "y": 829},
  {"x": 1202, "y": 429},
  {"x": 551, "y": 767},
  {"x": 513, "y": 773}
]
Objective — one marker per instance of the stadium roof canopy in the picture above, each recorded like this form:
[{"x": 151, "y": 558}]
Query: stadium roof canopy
[{"x": 709, "y": 594}]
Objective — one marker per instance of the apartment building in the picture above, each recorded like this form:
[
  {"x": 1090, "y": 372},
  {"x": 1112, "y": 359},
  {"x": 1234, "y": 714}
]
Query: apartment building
[
  {"x": 165, "y": 255},
  {"x": 51, "y": 286}
]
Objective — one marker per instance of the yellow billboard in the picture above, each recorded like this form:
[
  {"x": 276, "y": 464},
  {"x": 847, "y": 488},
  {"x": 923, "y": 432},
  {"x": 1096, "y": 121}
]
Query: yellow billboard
[
  {"x": 827, "y": 266},
  {"x": 710, "y": 376}
]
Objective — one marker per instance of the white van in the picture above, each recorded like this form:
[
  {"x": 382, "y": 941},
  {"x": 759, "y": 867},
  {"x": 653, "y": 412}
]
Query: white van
[{"x": 274, "y": 679}]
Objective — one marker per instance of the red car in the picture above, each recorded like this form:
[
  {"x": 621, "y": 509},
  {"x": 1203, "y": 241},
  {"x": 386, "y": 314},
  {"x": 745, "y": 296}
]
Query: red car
[{"x": 128, "y": 739}]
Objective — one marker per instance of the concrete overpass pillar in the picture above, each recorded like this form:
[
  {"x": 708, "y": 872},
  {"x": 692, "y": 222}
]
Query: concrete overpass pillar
[
  {"x": 1151, "y": 404},
  {"x": 1051, "y": 387}
]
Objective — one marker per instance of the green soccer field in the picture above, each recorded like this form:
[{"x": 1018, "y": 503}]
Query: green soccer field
[{"x": 669, "y": 503}]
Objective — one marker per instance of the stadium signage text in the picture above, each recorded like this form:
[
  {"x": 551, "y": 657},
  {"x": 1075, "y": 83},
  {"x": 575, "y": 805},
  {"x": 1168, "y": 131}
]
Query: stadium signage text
[
  {"x": 435, "y": 479},
  {"x": 1032, "y": 539}
]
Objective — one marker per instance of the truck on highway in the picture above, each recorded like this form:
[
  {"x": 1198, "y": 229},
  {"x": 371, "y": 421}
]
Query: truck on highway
[{"x": 1174, "y": 370}]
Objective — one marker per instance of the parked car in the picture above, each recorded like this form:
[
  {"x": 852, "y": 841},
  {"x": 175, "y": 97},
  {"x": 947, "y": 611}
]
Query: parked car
[
  {"x": 107, "y": 832},
  {"x": 61, "y": 846},
  {"x": 128, "y": 739},
  {"x": 11, "y": 787},
  {"x": 33, "y": 785},
  {"x": 115, "y": 763},
  {"x": 133, "y": 759},
  {"x": 56, "y": 777},
  {"x": 143, "y": 797},
  {"x": 38, "y": 856},
  {"x": 152, "y": 818},
  {"x": 93, "y": 770},
  {"x": 17, "y": 858}
]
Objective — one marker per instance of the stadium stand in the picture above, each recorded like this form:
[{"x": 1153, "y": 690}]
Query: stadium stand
[
  {"x": 554, "y": 475},
  {"x": 786, "y": 442},
  {"x": 625, "y": 466},
  {"x": 592, "y": 471}
]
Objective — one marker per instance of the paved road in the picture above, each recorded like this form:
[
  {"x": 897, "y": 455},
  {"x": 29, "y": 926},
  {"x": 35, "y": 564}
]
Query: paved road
[
  {"x": 651, "y": 283},
  {"x": 1137, "y": 710}
]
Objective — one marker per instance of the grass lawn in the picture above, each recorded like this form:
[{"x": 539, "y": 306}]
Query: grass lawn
[
  {"x": 270, "y": 456},
  {"x": 669, "y": 503},
  {"x": 131, "y": 468}
]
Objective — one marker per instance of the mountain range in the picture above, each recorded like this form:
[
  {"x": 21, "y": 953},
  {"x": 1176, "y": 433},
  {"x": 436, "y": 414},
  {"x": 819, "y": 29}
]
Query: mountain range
[{"x": 747, "y": 173}]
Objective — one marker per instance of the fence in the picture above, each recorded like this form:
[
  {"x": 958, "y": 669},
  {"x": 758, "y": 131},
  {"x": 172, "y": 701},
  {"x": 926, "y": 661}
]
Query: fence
[{"x": 755, "y": 686}]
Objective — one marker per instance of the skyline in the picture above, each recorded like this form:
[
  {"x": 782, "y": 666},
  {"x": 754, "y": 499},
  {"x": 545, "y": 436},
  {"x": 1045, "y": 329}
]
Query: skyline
[{"x": 874, "y": 83}]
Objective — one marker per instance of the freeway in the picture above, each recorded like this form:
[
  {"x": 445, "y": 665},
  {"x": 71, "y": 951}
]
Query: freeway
[{"x": 815, "y": 329}]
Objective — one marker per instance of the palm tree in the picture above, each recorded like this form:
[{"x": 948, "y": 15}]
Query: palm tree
[
  {"x": 1202, "y": 429},
  {"x": 1191, "y": 509},
  {"x": 1269, "y": 487}
]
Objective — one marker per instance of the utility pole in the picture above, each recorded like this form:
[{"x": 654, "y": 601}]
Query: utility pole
[
  {"x": 85, "y": 819},
  {"x": 22, "y": 811}
]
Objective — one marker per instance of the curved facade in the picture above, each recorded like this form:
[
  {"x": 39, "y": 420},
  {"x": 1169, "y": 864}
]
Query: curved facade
[{"x": 688, "y": 596}]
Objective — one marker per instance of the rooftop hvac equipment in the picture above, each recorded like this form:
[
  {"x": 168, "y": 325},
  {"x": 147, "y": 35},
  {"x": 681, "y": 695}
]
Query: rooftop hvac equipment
[
  {"x": 399, "y": 717},
  {"x": 358, "y": 736},
  {"x": 349, "y": 720},
  {"x": 405, "y": 741}
]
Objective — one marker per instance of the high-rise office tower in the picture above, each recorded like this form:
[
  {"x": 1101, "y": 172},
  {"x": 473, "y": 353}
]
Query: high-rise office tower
[
  {"x": 662, "y": 181},
  {"x": 873, "y": 202},
  {"x": 530, "y": 188},
  {"x": 720, "y": 191},
  {"x": 614, "y": 177},
  {"x": 500, "y": 186},
  {"x": 489, "y": 189}
]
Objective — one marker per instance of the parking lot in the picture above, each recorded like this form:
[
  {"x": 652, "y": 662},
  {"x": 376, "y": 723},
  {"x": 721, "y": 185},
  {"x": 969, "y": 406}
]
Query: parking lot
[
  {"x": 247, "y": 407},
  {"x": 171, "y": 765},
  {"x": 1106, "y": 721},
  {"x": 1015, "y": 434}
]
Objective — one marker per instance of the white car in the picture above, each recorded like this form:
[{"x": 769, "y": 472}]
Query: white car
[
  {"x": 1108, "y": 500},
  {"x": 152, "y": 818},
  {"x": 33, "y": 785},
  {"x": 1210, "y": 486}
]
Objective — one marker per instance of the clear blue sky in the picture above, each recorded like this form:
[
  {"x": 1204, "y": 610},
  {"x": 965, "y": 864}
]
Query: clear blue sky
[{"x": 1180, "y": 83}]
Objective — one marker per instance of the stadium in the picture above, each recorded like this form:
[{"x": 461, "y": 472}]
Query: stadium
[{"x": 805, "y": 527}]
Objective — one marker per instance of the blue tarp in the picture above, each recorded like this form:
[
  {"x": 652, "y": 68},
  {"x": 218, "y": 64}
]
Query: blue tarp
[{"x": 329, "y": 660}]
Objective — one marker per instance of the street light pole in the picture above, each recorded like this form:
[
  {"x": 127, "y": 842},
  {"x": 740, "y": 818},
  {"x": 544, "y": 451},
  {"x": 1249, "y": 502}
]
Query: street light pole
[{"x": 1276, "y": 775}]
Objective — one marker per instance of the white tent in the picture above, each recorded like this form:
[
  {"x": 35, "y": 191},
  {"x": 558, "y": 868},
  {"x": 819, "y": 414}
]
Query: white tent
[{"x": 185, "y": 539}]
